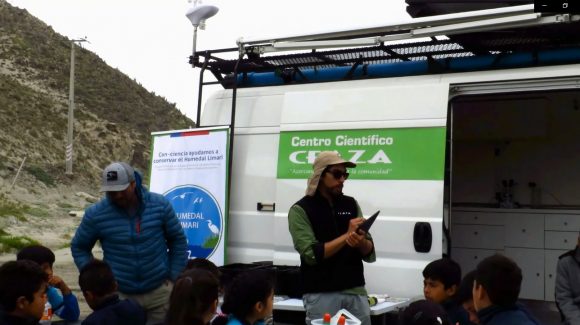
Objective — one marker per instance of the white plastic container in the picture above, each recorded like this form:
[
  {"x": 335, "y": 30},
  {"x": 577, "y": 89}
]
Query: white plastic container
[
  {"x": 46, "y": 315},
  {"x": 348, "y": 322},
  {"x": 349, "y": 318}
]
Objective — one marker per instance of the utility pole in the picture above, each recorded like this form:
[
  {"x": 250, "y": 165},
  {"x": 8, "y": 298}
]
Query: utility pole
[{"x": 71, "y": 107}]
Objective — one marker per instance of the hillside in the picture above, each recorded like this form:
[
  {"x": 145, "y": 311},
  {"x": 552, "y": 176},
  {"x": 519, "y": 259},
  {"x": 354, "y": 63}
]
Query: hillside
[{"x": 114, "y": 117}]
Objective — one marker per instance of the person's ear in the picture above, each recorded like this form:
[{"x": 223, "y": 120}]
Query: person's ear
[
  {"x": 483, "y": 293},
  {"x": 259, "y": 307},
  {"x": 451, "y": 291},
  {"x": 116, "y": 286},
  {"x": 478, "y": 291},
  {"x": 215, "y": 306},
  {"x": 211, "y": 312},
  {"x": 21, "y": 302},
  {"x": 47, "y": 268},
  {"x": 89, "y": 296},
  {"x": 131, "y": 188}
]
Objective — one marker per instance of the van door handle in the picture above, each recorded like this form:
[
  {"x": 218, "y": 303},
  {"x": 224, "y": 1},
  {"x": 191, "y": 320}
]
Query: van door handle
[
  {"x": 422, "y": 237},
  {"x": 266, "y": 206}
]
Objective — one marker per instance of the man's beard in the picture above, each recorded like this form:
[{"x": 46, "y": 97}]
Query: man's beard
[{"x": 336, "y": 191}]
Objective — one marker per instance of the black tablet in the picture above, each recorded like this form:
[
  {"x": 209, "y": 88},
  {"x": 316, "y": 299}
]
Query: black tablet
[{"x": 366, "y": 225}]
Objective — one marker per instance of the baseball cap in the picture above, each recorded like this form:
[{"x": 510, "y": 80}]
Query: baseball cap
[
  {"x": 117, "y": 177},
  {"x": 424, "y": 312},
  {"x": 323, "y": 160}
]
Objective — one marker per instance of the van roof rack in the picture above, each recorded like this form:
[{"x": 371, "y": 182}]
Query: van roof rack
[{"x": 492, "y": 31}]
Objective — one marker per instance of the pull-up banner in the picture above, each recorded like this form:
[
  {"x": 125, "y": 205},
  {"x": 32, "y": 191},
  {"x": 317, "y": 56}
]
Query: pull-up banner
[{"x": 189, "y": 167}]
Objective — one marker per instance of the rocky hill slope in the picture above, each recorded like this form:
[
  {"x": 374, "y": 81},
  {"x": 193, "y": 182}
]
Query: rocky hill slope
[{"x": 114, "y": 117}]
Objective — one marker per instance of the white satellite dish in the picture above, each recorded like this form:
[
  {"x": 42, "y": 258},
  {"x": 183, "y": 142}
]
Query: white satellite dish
[
  {"x": 197, "y": 15},
  {"x": 201, "y": 12}
]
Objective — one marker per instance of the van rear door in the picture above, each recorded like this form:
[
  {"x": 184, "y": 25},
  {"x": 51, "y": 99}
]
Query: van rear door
[{"x": 395, "y": 130}]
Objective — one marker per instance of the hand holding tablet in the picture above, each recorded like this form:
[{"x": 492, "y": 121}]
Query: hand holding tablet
[{"x": 366, "y": 225}]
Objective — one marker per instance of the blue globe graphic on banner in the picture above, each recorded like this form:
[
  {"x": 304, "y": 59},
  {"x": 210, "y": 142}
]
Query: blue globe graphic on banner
[{"x": 200, "y": 217}]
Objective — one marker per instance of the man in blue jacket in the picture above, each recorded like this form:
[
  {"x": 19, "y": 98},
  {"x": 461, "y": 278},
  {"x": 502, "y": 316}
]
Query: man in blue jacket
[
  {"x": 141, "y": 238},
  {"x": 495, "y": 293}
]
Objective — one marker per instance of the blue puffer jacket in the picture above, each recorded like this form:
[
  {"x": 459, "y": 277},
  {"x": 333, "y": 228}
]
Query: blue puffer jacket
[{"x": 142, "y": 251}]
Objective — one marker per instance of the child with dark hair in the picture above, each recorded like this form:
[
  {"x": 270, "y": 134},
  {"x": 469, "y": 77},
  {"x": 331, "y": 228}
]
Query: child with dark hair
[
  {"x": 249, "y": 299},
  {"x": 204, "y": 264},
  {"x": 495, "y": 292},
  {"x": 423, "y": 312},
  {"x": 464, "y": 296},
  {"x": 194, "y": 298},
  {"x": 441, "y": 280},
  {"x": 99, "y": 288},
  {"x": 199, "y": 263},
  {"x": 22, "y": 292},
  {"x": 64, "y": 303}
]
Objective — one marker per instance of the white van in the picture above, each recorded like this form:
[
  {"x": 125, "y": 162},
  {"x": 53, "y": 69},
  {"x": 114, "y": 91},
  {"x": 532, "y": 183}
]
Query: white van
[{"x": 468, "y": 142}]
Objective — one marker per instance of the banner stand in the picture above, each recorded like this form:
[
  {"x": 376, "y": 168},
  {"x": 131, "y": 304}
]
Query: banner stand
[{"x": 190, "y": 168}]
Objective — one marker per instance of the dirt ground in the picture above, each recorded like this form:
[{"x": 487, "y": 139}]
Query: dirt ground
[{"x": 52, "y": 219}]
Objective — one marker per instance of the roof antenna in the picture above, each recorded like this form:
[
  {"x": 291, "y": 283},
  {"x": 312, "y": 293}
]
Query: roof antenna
[
  {"x": 197, "y": 15},
  {"x": 199, "y": 12}
]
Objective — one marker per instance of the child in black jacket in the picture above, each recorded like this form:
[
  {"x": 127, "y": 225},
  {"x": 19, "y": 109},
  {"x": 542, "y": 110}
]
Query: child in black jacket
[
  {"x": 22, "y": 293},
  {"x": 440, "y": 284},
  {"x": 99, "y": 288}
]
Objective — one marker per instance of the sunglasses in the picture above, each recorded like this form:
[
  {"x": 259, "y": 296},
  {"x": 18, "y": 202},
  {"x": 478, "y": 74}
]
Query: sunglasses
[{"x": 338, "y": 174}]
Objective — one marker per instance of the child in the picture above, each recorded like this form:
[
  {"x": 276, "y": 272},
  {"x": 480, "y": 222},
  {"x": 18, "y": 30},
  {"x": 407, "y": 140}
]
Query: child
[
  {"x": 424, "y": 312},
  {"x": 199, "y": 263},
  {"x": 194, "y": 298},
  {"x": 205, "y": 264},
  {"x": 64, "y": 303},
  {"x": 465, "y": 296},
  {"x": 99, "y": 288},
  {"x": 22, "y": 292},
  {"x": 495, "y": 292},
  {"x": 249, "y": 299},
  {"x": 441, "y": 280}
]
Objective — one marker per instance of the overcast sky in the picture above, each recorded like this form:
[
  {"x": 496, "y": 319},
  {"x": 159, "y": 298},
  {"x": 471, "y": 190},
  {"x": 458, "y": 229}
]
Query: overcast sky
[{"x": 150, "y": 40}]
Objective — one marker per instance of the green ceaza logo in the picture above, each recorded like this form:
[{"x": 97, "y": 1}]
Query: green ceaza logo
[{"x": 356, "y": 156}]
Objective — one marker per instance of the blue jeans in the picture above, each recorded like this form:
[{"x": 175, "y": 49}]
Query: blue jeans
[{"x": 318, "y": 304}]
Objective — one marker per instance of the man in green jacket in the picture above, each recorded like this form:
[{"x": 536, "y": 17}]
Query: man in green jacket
[{"x": 323, "y": 225}]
